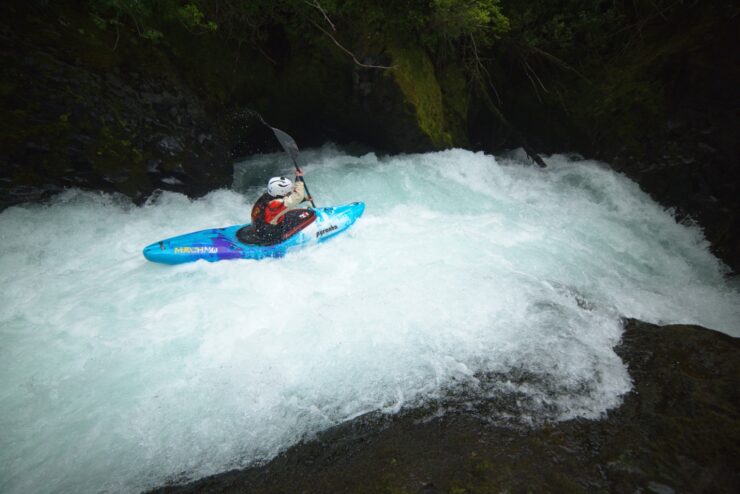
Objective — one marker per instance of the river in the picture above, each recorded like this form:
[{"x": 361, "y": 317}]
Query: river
[{"x": 119, "y": 375}]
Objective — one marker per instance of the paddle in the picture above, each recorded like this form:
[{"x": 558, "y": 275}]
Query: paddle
[{"x": 288, "y": 143}]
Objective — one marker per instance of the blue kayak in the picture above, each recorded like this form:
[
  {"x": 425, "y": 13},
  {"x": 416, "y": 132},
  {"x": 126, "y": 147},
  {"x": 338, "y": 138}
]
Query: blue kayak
[{"x": 240, "y": 241}]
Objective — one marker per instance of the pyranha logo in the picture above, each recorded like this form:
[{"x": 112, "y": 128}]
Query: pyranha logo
[
  {"x": 326, "y": 230},
  {"x": 196, "y": 250}
]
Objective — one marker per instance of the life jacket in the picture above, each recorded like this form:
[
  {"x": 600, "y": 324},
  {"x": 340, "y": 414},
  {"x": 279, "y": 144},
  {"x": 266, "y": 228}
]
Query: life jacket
[
  {"x": 266, "y": 209},
  {"x": 287, "y": 222}
]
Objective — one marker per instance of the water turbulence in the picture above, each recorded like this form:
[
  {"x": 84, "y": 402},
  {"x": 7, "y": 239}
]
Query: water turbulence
[{"x": 120, "y": 374}]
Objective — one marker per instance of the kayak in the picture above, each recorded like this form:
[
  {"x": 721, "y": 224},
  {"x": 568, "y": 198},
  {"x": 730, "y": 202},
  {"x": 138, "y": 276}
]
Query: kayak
[{"x": 240, "y": 242}]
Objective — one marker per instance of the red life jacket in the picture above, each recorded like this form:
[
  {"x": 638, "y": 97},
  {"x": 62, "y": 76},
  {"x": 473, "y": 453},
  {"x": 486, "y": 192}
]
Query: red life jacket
[{"x": 265, "y": 210}]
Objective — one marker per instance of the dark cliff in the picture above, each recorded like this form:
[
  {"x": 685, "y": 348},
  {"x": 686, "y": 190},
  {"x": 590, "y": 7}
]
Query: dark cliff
[{"x": 97, "y": 110}]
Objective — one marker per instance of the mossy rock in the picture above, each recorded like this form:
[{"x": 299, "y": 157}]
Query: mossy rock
[{"x": 414, "y": 74}]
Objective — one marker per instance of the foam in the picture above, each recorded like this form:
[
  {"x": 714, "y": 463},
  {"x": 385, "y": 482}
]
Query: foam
[{"x": 120, "y": 374}]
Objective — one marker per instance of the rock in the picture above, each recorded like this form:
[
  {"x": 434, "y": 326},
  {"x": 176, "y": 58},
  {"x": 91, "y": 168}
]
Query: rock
[
  {"x": 171, "y": 181},
  {"x": 71, "y": 119},
  {"x": 677, "y": 431},
  {"x": 170, "y": 145}
]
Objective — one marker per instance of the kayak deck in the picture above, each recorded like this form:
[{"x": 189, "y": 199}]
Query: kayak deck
[{"x": 218, "y": 244}]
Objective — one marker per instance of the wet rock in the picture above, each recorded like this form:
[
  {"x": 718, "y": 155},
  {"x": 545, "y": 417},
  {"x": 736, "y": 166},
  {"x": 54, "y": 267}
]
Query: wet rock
[
  {"x": 677, "y": 431},
  {"x": 76, "y": 115},
  {"x": 170, "y": 145}
]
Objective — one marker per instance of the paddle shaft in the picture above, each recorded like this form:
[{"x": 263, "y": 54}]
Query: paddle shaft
[
  {"x": 291, "y": 149},
  {"x": 305, "y": 185}
]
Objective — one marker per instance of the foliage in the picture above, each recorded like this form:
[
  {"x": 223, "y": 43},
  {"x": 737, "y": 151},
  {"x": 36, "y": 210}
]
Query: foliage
[
  {"x": 147, "y": 15},
  {"x": 604, "y": 72},
  {"x": 568, "y": 27},
  {"x": 590, "y": 31},
  {"x": 454, "y": 19},
  {"x": 429, "y": 23},
  {"x": 192, "y": 18},
  {"x": 424, "y": 38}
]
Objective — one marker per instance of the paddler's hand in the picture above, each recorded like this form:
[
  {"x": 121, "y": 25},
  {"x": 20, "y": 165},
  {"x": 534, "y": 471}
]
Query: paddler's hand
[{"x": 298, "y": 174}]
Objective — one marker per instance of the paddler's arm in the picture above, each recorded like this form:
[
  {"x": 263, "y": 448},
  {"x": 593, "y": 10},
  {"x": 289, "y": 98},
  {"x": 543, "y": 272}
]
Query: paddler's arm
[
  {"x": 299, "y": 178},
  {"x": 296, "y": 197}
]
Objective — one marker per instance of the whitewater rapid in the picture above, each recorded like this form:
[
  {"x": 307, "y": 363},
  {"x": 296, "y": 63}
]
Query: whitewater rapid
[{"x": 119, "y": 375}]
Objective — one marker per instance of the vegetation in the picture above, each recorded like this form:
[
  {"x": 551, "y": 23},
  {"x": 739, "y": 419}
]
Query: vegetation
[
  {"x": 420, "y": 38},
  {"x": 594, "y": 67},
  {"x": 144, "y": 15},
  {"x": 605, "y": 66},
  {"x": 578, "y": 74},
  {"x": 587, "y": 59},
  {"x": 433, "y": 22}
]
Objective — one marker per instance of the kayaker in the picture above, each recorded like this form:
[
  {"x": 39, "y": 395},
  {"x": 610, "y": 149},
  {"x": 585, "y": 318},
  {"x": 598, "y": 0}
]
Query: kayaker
[{"x": 270, "y": 217}]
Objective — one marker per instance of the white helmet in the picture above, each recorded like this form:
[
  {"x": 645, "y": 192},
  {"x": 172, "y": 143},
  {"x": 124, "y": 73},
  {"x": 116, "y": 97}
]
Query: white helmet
[{"x": 279, "y": 186}]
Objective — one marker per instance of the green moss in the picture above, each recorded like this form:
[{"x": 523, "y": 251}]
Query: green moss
[
  {"x": 456, "y": 98},
  {"x": 414, "y": 74}
]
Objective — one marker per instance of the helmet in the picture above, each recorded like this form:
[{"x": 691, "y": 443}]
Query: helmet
[{"x": 279, "y": 186}]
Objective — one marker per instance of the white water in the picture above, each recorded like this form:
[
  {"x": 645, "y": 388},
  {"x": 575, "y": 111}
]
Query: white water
[{"x": 118, "y": 374}]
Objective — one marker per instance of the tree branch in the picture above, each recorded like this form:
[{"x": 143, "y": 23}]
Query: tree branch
[
  {"x": 345, "y": 50},
  {"x": 558, "y": 61},
  {"x": 479, "y": 66},
  {"x": 118, "y": 32},
  {"x": 315, "y": 4}
]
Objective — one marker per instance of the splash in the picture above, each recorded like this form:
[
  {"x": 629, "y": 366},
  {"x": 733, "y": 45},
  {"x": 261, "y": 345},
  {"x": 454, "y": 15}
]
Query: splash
[{"x": 120, "y": 375}]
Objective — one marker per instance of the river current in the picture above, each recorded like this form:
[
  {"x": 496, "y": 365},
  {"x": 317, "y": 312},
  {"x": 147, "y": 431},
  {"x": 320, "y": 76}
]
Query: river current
[{"x": 119, "y": 375}]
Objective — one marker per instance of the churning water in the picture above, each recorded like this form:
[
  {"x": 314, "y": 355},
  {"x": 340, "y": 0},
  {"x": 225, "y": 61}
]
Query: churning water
[{"x": 119, "y": 375}]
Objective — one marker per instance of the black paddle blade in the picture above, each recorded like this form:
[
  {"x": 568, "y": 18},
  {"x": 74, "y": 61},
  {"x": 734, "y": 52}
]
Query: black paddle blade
[{"x": 287, "y": 142}]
